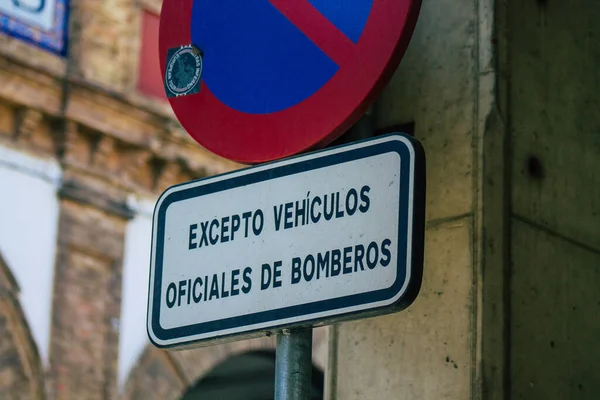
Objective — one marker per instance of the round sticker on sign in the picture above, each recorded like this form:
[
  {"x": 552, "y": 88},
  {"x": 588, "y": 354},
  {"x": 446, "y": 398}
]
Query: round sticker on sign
[
  {"x": 274, "y": 78},
  {"x": 184, "y": 70}
]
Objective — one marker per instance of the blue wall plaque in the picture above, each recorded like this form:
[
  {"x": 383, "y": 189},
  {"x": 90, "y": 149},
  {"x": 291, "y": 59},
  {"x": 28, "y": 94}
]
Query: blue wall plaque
[{"x": 43, "y": 23}]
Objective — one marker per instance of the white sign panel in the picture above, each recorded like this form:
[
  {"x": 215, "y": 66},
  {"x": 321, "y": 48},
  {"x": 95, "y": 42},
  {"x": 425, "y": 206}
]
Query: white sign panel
[
  {"x": 38, "y": 13},
  {"x": 336, "y": 234}
]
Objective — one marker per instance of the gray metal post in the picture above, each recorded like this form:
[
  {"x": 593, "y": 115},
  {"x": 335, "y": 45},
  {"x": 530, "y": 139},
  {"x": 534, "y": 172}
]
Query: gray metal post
[{"x": 293, "y": 365}]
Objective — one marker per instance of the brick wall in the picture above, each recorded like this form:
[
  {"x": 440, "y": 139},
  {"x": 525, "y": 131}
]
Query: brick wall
[{"x": 84, "y": 346}]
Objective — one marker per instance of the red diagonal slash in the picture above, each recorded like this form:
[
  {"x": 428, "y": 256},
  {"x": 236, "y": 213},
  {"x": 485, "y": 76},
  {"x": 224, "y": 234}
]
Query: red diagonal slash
[{"x": 318, "y": 29}]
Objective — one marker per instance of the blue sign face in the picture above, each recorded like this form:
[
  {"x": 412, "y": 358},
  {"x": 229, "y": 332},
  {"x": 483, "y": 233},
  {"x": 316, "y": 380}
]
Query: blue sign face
[
  {"x": 258, "y": 61},
  {"x": 41, "y": 22}
]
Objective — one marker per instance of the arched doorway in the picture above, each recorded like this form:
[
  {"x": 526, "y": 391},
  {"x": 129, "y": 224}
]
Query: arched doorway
[{"x": 246, "y": 376}]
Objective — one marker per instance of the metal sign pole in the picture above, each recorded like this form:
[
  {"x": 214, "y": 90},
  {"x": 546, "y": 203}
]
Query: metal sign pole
[{"x": 293, "y": 365}]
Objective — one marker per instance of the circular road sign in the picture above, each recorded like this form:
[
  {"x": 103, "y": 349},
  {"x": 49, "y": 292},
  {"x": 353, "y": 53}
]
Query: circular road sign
[{"x": 259, "y": 80}]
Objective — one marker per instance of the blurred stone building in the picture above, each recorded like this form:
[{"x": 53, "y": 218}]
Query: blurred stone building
[
  {"x": 504, "y": 95},
  {"x": 87, "y": 142}
]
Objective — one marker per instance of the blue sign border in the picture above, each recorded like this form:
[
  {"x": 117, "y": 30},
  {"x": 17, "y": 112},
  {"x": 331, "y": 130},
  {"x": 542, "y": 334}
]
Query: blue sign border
[
  {"x": 54, "y": 41},
  {"x": 397, "y": 146}
]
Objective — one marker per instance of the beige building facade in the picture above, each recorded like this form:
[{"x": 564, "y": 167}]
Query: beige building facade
[{"x": 504, "y": 95}]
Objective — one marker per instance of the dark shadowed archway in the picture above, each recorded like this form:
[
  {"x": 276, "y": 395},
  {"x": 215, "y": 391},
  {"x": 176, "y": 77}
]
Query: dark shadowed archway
[
  {"x": 168, "y": 375},
  {"x": 247, "y": 376}
]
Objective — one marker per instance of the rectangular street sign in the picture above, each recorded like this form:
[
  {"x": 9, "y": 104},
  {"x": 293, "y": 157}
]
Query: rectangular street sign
[{"x": 323, "y": 237}]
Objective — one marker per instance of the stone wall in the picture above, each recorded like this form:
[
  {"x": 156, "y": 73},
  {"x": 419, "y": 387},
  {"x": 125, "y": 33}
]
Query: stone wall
[
  {"x": 431, "y": 350},
  {"x": 504, "y": 95},
  {"x": 555, "y": 199}
]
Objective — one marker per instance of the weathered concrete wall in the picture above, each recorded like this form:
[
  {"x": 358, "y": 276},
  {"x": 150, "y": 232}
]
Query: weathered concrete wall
[
  {"x": 443, "y": 85},
  {"x": 509, "y": 306},
  {"x": 424, "y": 352},
  {"x": 555, "y": 118}
]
